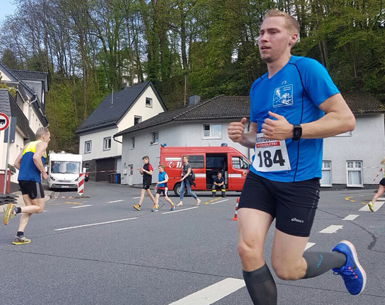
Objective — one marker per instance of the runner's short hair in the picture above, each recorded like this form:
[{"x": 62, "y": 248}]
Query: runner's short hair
[
  {"x": 186, "y": 156},
  {"x": 41, "y": 131},
  {"x": 290, "y": 22},
  {"x": 146, "y": 157},
  {"x": 161, "y": 165}
]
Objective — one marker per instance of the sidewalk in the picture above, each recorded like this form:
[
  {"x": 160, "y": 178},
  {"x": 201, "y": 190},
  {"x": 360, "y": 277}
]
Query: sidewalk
[{"x": 19, "y": 197}]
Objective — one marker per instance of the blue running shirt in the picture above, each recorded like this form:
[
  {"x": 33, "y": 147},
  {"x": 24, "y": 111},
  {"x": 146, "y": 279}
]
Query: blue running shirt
[
  {"x": 294, "y": 92},
  {"x": 161, "y": 177}
]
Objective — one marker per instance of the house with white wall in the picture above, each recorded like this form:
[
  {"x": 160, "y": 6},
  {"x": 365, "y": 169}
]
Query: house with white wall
[
  {"x": 27, "y": 108},
  {"x": 350, "y": 159},
  {"x": 118, "y": 111},
  {"x": 200, "y": 124}
]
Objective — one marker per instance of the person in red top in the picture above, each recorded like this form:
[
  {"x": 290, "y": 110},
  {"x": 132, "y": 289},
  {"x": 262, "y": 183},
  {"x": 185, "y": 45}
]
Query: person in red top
[{"x": 146, "y": 172}]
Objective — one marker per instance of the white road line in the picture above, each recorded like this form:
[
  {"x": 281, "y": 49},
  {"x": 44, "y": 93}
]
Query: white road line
[
  {"x": 376, "y": 206},
  {"x": 381, "y": 199},
  {"x": 309, "y": 245},
  {"x": 213, "y": 293},
  {"x": 96, "y": 224},
  {"x": 215, "y": 202},
  {"x": 135, "y": 197},
  {"x": 114, "y": 201},
  {"x": 176, "y": 211},
  {"x": 82, "y": 206},
  {"x": 331, "y": 229},
  {"x": 350, "y": 217}
]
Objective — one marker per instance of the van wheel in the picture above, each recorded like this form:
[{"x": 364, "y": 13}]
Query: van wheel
[{"x": 177, "y": 190}]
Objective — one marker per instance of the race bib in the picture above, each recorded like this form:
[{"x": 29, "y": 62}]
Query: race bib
[{"x": 270, "y": 155}]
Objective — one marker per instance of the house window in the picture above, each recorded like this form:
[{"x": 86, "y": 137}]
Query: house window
[
  {"x": 155, "y": 138},
  {"x": 149, "y": 102},
  {"x": 137, "y": 119},
  {"x": 212, "y": 131},
  {"x": 354, "y": 173},
  {"x": 107, "y": 143},
  {"x": 326, "y": 179},
  {"x": 132, "y": 143},
  {"x": 87, "y": 147}
]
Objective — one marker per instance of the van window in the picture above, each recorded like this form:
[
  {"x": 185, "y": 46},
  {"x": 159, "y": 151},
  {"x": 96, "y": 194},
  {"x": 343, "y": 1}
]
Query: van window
[
  {"x": 196, "y": 161},
  {"x": 239, "y": 163}
]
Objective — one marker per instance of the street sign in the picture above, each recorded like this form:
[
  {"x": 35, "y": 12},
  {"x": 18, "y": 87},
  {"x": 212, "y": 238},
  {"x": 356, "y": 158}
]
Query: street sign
[{"x": 4, "y": 121}]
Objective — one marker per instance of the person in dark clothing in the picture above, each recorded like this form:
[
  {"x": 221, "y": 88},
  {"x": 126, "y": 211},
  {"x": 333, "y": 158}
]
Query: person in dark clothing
[
  {"x": 146, "y": 172},
  {"x": 185, "y": 182},
  {"x": 219, "y": 184}
]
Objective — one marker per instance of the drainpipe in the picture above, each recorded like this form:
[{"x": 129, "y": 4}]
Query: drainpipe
[
  {"x": 116, "y": 140},
  {"x": 29, "y": 108}
]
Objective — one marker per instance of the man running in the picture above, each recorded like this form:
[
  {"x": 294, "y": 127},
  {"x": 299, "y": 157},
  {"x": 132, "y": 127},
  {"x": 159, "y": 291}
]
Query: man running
[
  {"x": 292, "y": 107},
  {"x": 31, "y": 169}
]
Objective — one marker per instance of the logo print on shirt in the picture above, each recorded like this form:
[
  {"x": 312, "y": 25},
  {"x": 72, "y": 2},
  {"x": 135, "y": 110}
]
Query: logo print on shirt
[{"x": 283, "y": 96}]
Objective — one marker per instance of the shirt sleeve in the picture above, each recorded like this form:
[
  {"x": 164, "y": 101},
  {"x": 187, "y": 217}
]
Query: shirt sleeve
[
  {"x": 317, "y": 82},
  {"x": 150, "y": 167}
]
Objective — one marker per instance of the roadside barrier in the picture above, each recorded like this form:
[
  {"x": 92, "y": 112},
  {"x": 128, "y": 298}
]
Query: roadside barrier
[
  {"x": 81, "y": 184},
  {"x": 236, "y": 211}
]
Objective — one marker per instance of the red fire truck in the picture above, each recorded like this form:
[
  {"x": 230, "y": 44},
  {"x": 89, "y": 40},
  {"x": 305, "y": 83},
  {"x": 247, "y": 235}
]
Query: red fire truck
[{"x": 205, "y": 162}]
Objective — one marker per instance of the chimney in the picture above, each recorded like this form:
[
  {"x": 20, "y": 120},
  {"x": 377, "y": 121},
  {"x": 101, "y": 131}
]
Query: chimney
[{"x": 194, "y": 100}]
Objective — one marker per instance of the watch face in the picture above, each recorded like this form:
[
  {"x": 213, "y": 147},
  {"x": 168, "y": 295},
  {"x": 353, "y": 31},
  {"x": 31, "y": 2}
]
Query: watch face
[{"x": 297, "y": 132}]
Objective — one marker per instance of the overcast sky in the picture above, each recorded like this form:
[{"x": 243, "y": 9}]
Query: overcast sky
[{"x": 7, "y": 8}]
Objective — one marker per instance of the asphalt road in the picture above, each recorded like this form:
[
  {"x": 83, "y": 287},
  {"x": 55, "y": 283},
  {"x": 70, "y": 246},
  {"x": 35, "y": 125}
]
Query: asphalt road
[{"x": 99, "y": 250}]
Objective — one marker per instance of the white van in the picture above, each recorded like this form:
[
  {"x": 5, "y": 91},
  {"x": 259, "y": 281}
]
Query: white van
[{"x": 63, "y": 170}]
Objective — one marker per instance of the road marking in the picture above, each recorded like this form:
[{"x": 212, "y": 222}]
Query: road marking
[
  {"x": 82, "y": 206},
  {"x": 309, "y": 245},
  {"x": 96, "y": 224},
  {"x": 376, "y": 206},
  {"x": 72, "y": 202},
  {"x": 220, "y": 201},
  {"x": 349, "y": 199},
  {"x": 135, "y": 197},
  {"x": 114, "y": 201},
  {"x": 213, "y": 293},
  {"x": 350, "y": 217},
  {"x": 331, "y": 229},
  {"x": 176, "y": 211},
  {"x": 381, "y": 199}
]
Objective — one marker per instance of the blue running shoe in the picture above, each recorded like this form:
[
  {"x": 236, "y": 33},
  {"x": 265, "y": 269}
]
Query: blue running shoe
[
  {"x": 173, "y": 207},
  {"x": 353, "y": 274}
]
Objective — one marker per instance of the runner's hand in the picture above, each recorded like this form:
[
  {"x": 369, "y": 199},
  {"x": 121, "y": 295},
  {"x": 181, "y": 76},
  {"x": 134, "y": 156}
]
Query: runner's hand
[
  {"x": 235, "y": 130},
  {"x": 44, "y": 175},
  {"x": 277, "y": 128}
]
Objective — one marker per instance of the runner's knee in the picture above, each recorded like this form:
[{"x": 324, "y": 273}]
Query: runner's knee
[
  {"x": 249, "y": 250},
  {"x": 286, "y": 271}
]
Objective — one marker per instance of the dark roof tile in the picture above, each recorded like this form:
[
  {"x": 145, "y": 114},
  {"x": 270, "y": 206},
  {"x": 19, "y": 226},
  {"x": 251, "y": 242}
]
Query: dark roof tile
[
  {"x": 109, "y": 111},
  {"x": 30, "y": 75},
  {"x": 9, "y": 106},
  {"x": 236, "y": 107}
]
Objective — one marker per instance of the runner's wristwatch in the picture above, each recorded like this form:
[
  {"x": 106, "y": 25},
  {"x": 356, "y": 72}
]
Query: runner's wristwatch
[{"x": 297, "y": 132}]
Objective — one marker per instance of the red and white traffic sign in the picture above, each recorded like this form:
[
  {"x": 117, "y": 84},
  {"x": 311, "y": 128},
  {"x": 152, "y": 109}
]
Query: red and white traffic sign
[{"x": 4, "y": 121}]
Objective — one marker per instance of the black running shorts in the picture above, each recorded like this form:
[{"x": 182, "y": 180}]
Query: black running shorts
[
  {"x": 382, "y": 182},
  {"x": 146, "y": 185},
  {"x": 31, "y": 188},
  {"x": 292, "y": 204},
  {"x": 163, "y": 191}
]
